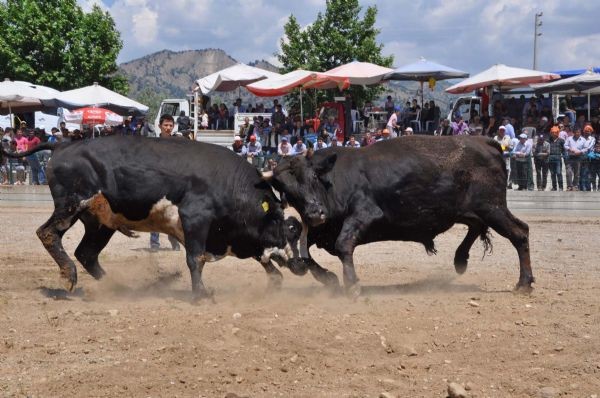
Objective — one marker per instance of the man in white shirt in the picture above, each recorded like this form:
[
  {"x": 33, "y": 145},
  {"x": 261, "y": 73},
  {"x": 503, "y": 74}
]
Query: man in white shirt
[
  {"x": 522, "y": 155},
  {"x": 320, "y": 144},
  {"x": 352, "y": 143},
  {"x": 574, "y": 146},
  {"x": 299, "y": 148},
  {"x": 510, "y": 130},
  {"x": 284, "y": 149}
]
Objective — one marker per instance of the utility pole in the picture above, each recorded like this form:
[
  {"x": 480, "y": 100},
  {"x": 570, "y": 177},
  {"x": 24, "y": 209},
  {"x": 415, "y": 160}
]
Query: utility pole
[{"x": 537, "y": 24}]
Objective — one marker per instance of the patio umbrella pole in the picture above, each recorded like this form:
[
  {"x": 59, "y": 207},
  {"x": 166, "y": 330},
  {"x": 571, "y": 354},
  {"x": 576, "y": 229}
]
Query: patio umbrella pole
[
  {"x": 421, "y": 95},
  {"x": 302, "y": 109},
  {"x": 589, "y": 110},
  {"x": 10, "y": 115}
]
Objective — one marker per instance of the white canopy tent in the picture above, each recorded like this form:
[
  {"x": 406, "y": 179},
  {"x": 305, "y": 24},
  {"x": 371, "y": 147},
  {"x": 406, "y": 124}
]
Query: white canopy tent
[
  {"x": 234, "y": 77},
  {"x": 98, "y": 96},
  {"x": 585, "y": 83},
  {"x": 18, "y": 96}
]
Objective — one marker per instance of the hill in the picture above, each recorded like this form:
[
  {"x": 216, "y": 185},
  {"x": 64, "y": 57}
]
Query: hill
[{"x": 171, "y": 74}]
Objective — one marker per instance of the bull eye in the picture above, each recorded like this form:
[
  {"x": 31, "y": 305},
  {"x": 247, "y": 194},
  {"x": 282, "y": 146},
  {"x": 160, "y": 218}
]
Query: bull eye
[{"x": 292, "y": 228}]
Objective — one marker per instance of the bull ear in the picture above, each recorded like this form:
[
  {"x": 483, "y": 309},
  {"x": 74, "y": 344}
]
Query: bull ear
[
  {"x": 323, "y": 166},
  {"x": 309, "y": 154}
]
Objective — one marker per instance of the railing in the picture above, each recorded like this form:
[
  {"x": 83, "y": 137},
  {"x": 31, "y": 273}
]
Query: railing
[{"x": 569, "y": 173}]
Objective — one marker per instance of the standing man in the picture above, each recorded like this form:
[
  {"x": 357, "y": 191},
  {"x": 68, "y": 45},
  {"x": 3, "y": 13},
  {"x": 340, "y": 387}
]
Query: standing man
[
  {"x": 541, "y": 154},
  {"x": 166, "y": 124},
  {"x": 183, "y": 122},
  {"x": 574, "y": 147},
  {"x": 522, "y": 154}
]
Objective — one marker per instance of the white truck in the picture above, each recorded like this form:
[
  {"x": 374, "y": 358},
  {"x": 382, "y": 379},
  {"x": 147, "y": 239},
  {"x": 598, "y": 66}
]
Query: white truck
[{"x": 174, "y": 106}]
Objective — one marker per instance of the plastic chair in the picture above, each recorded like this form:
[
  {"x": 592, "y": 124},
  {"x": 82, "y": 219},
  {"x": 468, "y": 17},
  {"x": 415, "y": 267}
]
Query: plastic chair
[{"x": 417, "y": 121}]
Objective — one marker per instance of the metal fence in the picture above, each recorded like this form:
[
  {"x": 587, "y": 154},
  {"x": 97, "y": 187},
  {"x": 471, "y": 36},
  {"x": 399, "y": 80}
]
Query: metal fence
[{"x": 569, "y": 173}]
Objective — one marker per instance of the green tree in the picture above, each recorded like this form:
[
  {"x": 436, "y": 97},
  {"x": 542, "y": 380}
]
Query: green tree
[
  {"x": 337, "y": 37},
  {"x": 55, "y": 43}
]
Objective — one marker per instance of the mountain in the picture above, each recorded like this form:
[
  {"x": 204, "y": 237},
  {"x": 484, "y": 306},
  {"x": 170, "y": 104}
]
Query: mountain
[{"x": 170, "y": 74}]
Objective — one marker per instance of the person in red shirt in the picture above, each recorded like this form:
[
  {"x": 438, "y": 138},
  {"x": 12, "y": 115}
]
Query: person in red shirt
[{"x": 32, "y": 160}]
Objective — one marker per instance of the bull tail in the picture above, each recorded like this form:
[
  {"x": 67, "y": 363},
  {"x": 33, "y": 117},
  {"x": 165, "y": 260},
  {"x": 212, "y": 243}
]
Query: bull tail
[
  {"x": 486, "y": 239},
  {"x": 42, "y": 147}
]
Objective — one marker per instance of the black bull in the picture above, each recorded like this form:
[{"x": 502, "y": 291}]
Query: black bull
[
  {"x": 408, "y": 189},
  {"x": 214, "y": 202}
]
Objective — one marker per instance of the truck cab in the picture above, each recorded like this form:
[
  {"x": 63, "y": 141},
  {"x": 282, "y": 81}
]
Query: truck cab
[
  {"x": 465, "y": 107},
  {"x": 173, "y": 107}
]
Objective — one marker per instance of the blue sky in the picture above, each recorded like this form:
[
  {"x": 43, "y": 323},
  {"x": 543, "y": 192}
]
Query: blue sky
[{"x": 466, "y": 34}]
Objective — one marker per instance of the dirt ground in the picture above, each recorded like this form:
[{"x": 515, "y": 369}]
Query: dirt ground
[{"x": 416, "y": 328}]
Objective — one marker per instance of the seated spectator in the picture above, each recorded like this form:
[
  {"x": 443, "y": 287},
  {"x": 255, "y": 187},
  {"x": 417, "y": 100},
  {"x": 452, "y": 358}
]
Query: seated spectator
[
  {"x": 444, "y": 128},
  {"x": 325, "y": 136},
  {"x": 284, "y": 149},
  {"x": 459, "y": 127},
  {"x": 310, "y": 137},
  {"x": 352, "y": 143},
  {"x": 246, "y": 129},
  {"x": 331, "y": 125},
  {"x": 238, "y": 146},
  {"x": 253, "y": 148},
  {"x": 335, "y": 142},
  {"x": 320, "y": 144},
  {"x": 565, "y": 107},
  {"x": 475, "y": 126},
  {"x": 385, "y": 135},
  {"x": 368, "y": 139},
  {"x": 299, "y": 148}
]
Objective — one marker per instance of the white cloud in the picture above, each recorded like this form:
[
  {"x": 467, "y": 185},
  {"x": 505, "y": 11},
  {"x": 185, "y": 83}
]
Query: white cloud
[
  {"x": 467, "y": 34},
  {"x": 144, "y": 26}
]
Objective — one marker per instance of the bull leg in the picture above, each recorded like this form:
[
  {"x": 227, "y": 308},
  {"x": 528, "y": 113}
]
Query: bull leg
[
  {"x": 51, "y": 233},
  {"x": 195, "y": 232},
  {"x": 302, "y": 265},
  {"x": 348, "y": 239},
  {"x": 515, "y": 230},
  {"x": 275, "y": 276},
  {"x": 461, "y": 257},
  {"x": 95, "y": 239}
]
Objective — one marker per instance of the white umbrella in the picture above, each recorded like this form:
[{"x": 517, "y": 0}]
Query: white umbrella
[
  {"x": 236, "y": 76},
  {"x": 585, "y": 83},
  {"x": 502, "y": 76},
  {"x": 423, "y": 70},
  {"x": 302, "y": 79},
  {"x": 360, "y": 73},
  {"x": 25, "y": 97},
  {"x": 98, "y": 96}
]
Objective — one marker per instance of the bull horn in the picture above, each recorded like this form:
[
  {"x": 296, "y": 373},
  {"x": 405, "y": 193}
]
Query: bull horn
[{"x": 267, "y": 175}]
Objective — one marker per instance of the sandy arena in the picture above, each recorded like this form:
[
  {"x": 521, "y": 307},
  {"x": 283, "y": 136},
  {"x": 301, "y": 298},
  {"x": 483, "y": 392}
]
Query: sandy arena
[{"x": 416, "y": 328}]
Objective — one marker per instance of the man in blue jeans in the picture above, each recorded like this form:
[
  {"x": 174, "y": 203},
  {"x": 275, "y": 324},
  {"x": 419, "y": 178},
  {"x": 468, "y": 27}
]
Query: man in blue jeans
[{"x": 166, "y": 124}]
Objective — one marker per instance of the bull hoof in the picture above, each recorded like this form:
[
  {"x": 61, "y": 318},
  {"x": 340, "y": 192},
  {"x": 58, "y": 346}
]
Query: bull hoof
[
  {"x": 353, "y": 291},
  {"x": 523, "y": 288},
  {"x": 204, "y": 294},
  {"x": 460, "y": 265},
  {"x": 274, "y": 285},
  {"x": 70, "y": 281}
]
